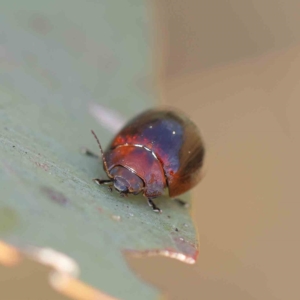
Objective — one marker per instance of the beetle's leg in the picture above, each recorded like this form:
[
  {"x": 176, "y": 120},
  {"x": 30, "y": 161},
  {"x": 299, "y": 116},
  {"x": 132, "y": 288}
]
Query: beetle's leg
[
  {"x": 88, "y": 152},
  {"x": 124, "y": 194},
  {"x": 181, "y": 202},
  {"x": 154, "y": 207},
  {"x": 104, "y": 181}
]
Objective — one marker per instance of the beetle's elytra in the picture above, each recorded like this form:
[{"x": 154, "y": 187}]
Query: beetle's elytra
[{"x": 158, "y": 149}]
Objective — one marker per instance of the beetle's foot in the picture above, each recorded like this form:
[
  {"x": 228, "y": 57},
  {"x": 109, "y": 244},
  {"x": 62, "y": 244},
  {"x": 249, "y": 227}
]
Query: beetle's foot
[
  {"x": 110, "y": 188},
  {"x": 154, "y": 207},
  {"x": 182, "y": 203},
  {"x": 123, "y": 195},
  {"x": 102, "y": 181},
  {"x": 88, "y": 152}
]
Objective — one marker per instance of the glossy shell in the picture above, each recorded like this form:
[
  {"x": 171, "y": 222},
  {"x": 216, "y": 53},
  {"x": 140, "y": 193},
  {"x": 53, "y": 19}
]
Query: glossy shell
[
  {"x": 141, "y": 162},
  {"x": 174, "y": 140}
]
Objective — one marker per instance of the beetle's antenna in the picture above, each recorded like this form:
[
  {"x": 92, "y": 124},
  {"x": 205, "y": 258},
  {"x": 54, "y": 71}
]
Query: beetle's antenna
[{"x": 102, "y": 154}]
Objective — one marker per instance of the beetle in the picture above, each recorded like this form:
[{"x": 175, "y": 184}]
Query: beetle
[{"x": 158, "y": 149}]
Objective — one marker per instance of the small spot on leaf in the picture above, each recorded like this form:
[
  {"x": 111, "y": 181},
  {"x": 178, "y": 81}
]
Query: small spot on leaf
[
  {"x": 55, "y": 196},
  {"x": 40, "y": 24},
  {"x": 116, "y": 218},
  {"x": 43, "y": 166}
]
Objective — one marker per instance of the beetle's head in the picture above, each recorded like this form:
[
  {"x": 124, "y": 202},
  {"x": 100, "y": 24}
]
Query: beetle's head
[{"x": 126, "y": 181}]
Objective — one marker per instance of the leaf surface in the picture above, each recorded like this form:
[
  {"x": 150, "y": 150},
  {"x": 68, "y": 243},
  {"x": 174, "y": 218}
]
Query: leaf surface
[{"x": 63, "y": 64}]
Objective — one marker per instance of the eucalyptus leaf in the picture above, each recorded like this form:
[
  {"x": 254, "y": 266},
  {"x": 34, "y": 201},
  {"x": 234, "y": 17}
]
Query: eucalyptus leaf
[{"x": 61, "y": 60}]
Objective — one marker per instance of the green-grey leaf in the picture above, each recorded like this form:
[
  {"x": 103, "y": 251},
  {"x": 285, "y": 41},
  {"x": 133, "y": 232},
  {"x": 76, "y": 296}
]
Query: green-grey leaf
[{"x": 56, "y": 58}]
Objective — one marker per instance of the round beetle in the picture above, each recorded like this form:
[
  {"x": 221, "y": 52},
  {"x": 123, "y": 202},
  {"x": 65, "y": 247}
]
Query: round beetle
[{"x": 158, "y": 149}]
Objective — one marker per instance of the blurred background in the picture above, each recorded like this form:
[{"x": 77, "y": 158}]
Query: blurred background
[{"x": 234, "y": 67}]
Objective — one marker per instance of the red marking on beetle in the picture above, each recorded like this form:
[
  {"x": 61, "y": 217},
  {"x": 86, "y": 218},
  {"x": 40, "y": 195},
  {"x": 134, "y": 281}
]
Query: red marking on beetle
[{"x": 55, "y": 196}]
